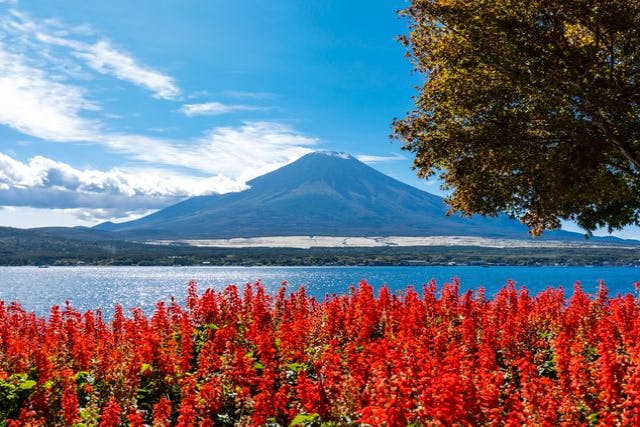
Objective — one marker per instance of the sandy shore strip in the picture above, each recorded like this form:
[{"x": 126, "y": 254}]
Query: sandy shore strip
[{"x": 306, "y": 242}]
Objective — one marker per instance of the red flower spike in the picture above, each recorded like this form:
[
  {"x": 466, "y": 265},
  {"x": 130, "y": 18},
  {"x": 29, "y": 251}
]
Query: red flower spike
[{"x": 110, "y": 416}]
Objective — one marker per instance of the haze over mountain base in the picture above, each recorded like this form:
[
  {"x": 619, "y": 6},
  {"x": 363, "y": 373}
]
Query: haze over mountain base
[{"x": 306, "y": 242}]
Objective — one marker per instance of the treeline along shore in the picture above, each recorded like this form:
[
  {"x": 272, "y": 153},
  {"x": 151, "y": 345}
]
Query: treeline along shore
[{"x": 29, "y": 247}]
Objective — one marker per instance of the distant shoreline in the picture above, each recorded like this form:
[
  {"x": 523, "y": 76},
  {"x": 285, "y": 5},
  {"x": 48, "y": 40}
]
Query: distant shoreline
[
  {"x": 80, "y": 247},
  {"x": 308, "y": 242}
]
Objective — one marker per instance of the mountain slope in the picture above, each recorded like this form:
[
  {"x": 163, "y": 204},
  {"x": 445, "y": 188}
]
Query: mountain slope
[{"x": 323, "y": 194}]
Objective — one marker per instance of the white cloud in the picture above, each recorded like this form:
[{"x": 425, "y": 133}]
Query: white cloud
[
  {"x": 240, "y": 153},
  {"x": 249, "y": 95},
  {"x": 98, "y": 55},
  {"x": 35, "y": 105},
  {"x": 378, "y": 159},
  {"x": 43, "y": 173},
  {"x": 36, "y": 97},
  {"x": 28, "y": 217},
  {"x": 88, "y": 193},
  {"x": 212, "y": 109},
  {"x": 103, "y": 58}
]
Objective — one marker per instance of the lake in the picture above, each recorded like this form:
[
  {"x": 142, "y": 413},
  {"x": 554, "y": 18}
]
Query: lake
[{"x": 37, "y": 289}]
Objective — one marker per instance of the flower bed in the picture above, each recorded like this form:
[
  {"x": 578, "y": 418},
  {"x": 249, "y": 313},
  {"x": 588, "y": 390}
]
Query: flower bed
[{"x": 248, "y": 358}]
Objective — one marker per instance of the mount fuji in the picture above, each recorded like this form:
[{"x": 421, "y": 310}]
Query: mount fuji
[{"x": 320, "y": 194}]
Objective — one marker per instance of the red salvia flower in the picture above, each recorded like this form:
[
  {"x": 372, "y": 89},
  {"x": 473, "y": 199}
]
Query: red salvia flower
[{"x": 110, "y": 416}]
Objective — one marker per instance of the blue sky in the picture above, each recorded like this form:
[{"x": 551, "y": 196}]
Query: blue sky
[{"x": 110, "y": 110}]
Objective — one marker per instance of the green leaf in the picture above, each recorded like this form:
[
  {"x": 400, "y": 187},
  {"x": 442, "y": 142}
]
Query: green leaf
[
  {"x": 27, "y": 385},
  {"x": 303, "y": 419},
  {"x": 80, "y": 375},
  {"x": 296, "y": 367}
]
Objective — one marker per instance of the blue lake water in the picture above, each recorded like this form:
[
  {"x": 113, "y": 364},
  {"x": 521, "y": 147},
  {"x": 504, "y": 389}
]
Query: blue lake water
[{"x": 37, "y": 289}]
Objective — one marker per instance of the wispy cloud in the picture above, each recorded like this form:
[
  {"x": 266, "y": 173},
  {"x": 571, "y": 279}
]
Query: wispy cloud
[
  {"x": 36, "y": 105},
  {"x": 213, "y": 109},
  {"x": 242, "y": 152},
  {"x": 378, "y": 159},
  {"x": 103, "y": 58},
  {"x": 242, "y": 94},
  {"x": 99, "y": 55}
]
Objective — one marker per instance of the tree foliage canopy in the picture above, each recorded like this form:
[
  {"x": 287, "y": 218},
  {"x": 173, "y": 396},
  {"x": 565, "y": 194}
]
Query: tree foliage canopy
[{"x": 530, "y": 107}]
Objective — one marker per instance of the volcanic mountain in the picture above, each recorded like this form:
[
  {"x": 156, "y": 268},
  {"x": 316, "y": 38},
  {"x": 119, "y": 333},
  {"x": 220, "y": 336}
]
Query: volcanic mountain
[{"x": 320, "y": 194}]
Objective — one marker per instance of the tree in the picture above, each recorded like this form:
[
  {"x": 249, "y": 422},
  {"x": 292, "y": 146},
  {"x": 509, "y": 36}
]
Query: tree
[{"x": 529, "y": 107}]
